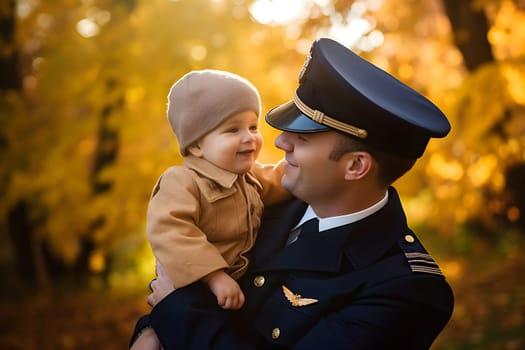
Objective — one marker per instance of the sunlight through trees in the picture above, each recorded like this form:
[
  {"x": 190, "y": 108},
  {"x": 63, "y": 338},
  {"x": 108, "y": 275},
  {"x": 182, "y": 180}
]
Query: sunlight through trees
[{"x": 83, "y": 130}]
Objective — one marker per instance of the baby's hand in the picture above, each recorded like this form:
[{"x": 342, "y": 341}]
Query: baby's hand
[{"x": 226, "y": 289}]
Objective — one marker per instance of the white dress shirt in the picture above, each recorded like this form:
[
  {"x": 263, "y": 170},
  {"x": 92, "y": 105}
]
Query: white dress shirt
[{"x": 335, "y": 221}]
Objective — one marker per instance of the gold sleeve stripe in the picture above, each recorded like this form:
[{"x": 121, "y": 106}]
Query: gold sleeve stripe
[
  {"x": 421, "y": 262},
  {"x": 432, "y": 270},
  {"x": 428, "y": 262},
  {"x": 418, "y": 255}
]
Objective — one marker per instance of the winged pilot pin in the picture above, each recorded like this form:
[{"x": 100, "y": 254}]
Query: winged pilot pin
[{"x": 297, "y": 299}]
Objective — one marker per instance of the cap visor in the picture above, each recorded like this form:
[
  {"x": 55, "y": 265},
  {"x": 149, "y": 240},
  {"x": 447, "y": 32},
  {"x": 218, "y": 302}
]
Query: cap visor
[{"x": 288, "y": 117}]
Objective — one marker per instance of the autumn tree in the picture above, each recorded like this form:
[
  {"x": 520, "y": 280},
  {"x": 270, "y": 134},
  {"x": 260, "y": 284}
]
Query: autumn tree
[
  {"x": 90, "y": 134},
  {"x": 467, "y": 56},
  {"x": 487, "y": 146},
  {"x": 84, "y": 136},
  {"x": 17, "y": 222}
]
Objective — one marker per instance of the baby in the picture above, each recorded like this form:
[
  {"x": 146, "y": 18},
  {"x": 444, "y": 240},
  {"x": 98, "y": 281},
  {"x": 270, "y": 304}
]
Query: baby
[{"x": 203, "y": 216}]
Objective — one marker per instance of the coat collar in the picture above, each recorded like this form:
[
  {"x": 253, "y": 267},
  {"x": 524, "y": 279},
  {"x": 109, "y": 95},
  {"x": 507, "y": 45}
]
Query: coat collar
[
  {"x": 362, "y": 242},
  {"x": 223, "y": 177},
  {"x": 372, "y": 237}
]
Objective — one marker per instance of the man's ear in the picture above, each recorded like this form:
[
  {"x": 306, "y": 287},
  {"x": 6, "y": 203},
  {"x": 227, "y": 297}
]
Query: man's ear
[
  {"x": 357, "y": 165},
  {"x": 195, "y": 150}
]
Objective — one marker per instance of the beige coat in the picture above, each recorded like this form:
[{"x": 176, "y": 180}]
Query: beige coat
[{"x": 202, "y": 218}]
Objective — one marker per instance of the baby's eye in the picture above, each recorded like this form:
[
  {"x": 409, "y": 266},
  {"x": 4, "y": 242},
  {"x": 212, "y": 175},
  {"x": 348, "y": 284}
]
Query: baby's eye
[
  {"x": 254, "y": 127},
  {"x": 232, "y": 130}
]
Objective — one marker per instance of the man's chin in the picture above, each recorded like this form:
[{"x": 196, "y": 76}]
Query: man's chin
[{"x": 287, "y": 183}]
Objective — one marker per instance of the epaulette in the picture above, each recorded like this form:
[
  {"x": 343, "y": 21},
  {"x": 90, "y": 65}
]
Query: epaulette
[{"x": 417, "y": 257}]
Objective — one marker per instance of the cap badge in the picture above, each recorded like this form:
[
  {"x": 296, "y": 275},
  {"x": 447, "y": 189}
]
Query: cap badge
[
  {"x": 297, "y": 299},
  {"x": 305, "y": 67}
]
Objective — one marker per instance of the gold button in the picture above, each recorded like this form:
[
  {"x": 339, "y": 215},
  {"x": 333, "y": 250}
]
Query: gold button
[
  {"x": 409, "y": 239},
  {"x": 276, "y": 332},
  {"x": 258, "y": 281}
]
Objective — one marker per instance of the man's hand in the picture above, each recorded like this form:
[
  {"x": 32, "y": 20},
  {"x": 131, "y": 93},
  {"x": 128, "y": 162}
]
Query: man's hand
[
  {"x": 147, "y": 340},
  {"x": 229, "y": 294},
  {"x": 160, "y": 286}
]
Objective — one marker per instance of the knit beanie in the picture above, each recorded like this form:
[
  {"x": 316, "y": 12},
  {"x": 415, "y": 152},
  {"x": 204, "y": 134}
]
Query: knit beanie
[{"x": 200, "y": 100}]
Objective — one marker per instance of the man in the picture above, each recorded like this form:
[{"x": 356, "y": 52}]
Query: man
[{"x": 354, "y": 277}]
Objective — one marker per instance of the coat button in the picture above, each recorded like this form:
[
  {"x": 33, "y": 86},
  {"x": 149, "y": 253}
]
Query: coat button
[
  {"x": 258, "y": 281},
  {"x": 276, "y": 332},
  {"x": 409, "y": 239}
]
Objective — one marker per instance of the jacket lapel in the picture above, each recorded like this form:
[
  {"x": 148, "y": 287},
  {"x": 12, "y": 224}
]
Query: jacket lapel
[
  {"x": 322, "y": 252},
  {"x": 361, "y": 243},
  {"x": 277, "y": 222}
]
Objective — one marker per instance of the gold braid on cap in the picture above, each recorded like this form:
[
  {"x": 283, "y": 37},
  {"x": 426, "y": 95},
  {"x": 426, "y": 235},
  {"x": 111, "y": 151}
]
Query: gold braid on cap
[{"x": 321, "y": 118}]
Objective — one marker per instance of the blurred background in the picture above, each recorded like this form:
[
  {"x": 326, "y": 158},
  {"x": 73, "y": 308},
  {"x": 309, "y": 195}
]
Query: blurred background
[{"x": 83, "y": 138}]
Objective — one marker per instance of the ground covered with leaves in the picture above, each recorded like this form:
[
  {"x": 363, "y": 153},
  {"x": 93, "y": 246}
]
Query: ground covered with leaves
[
  {"x": 80, "y": 320},
  {"x": 489, "y": 312}
]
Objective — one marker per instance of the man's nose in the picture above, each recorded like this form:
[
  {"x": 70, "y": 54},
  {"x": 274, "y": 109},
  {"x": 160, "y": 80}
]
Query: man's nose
[{"x": 283, "y": 141}]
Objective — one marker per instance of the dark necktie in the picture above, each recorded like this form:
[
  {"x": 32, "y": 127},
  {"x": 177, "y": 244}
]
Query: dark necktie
[{"x": 309, "y": 228}]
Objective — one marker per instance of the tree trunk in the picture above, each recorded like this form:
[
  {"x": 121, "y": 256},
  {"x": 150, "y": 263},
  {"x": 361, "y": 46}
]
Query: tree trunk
[
  {"x": 19, "y": 225},
  {"x": 21, "y": 235},
  {"x": 470, "y": 28},
  {"x": 10, "y": 77}
]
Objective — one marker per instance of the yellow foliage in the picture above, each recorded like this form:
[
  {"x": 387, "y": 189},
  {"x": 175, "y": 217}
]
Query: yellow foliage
[
  {"x": 515, "y": 77},
  {"x": 481, "y": 171},
  {"x": 513, "y": 213},
  {"x": 507, "y": 33},
  {"x": 97, "y": 261},
  {"x": 447, "y": 169},
  {"x": 89, "y": 62},
  {"x": 125, "y": 71},
  {"x": 418, "y": 208},
  {"x": 453, "y": 269}
]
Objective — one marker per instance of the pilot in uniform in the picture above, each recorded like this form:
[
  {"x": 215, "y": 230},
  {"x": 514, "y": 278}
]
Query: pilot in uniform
[{"x": 359, "y": 281}]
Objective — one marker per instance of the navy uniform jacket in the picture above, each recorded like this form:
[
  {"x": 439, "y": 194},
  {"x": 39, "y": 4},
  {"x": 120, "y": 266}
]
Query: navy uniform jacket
[{"x": 376, "y": 288}]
